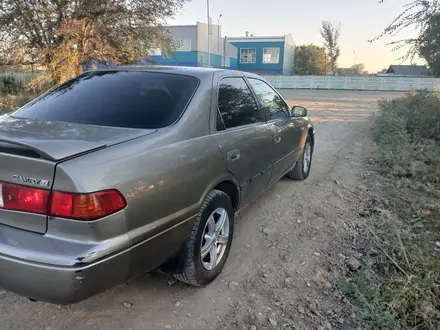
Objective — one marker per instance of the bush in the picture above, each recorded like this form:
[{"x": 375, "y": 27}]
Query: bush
[
  {"x": 417, "y": 114},
  {"x": 10, "y": 103},
  {"x": 7, "y": 104},
  {"x": 401, "y": 290},
  {"x": 407, "y": 132},
  {"x": 10, "y": 85}
]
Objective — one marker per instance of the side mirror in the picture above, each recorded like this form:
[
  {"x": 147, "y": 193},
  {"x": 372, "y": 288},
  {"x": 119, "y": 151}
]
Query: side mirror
[{"x": 298, "y": 111}]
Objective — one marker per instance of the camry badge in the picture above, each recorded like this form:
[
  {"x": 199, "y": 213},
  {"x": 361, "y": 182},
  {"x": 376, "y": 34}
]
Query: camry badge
[{"x": 26, "y": 179}]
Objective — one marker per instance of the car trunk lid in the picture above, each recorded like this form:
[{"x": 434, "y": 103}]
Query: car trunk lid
[
  {"x": 59, "y": 140},
  {"x": 30, "y": 150}
]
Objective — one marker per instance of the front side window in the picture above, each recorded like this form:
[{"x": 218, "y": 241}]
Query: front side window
[
  {"x": 271, "y": 55},
  {"x": 236, "y": 104},
  {"x": 248, "y": 55},
  {"x": 273, "y": 105},
  {"x": 133, "y": 99}
]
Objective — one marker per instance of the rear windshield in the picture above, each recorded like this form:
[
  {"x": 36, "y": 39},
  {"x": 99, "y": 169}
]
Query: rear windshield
[{"x": 132, "y": 99}]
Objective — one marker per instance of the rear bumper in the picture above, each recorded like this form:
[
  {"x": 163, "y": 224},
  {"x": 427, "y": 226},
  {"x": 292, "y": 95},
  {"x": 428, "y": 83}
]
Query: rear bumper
[
  {"x": 61, "y": 270},
  {"x": 62, "y": 285}
]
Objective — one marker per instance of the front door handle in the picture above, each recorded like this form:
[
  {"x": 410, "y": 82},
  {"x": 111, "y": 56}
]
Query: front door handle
[
  {"x": 277, "y": 139},
  {"x": 234, "y": 155}
]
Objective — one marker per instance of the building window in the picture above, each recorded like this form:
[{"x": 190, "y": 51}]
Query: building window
[
  {"x": 155, "y": 51},
  {"x": 183, "y": 44},
  {"x": 248, "y": 55},
  {"x": 271, "y": 55}
]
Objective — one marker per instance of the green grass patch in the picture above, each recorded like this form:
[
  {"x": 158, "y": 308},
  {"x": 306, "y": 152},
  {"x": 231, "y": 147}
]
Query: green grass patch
[
  {"x": 15, "y": 91},
  {"x": 401, "y": 290}
]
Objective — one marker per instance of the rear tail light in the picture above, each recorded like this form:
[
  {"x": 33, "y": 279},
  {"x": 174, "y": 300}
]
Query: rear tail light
[
  {"x": 19, "y": 198},
  {"x": 86, "y": 206},
  {"x": 59, "y": 204}
]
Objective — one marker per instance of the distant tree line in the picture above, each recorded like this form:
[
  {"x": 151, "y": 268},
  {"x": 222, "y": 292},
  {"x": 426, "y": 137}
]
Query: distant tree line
[
  {"x": 315, "y": 60},
  {"x": 421, "y": 15},
  {"x": 310, "y": 60}
]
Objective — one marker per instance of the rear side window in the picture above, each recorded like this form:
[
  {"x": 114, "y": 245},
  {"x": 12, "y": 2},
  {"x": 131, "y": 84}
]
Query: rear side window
[
  {"x": 133, "y": 99},
  {"x": 236, "y": 104}
]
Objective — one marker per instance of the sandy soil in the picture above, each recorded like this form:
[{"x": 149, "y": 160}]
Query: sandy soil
[{"x": 286, "y": 279}]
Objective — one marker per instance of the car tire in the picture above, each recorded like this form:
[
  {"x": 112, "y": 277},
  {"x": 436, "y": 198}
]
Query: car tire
[
  {"x": 303, "y": 164},
  {"x": 200, "y": 266}
]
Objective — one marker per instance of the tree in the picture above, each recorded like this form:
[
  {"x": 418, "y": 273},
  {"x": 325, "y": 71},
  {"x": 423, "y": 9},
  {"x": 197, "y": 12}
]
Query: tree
[
  {"x": 415, "y": 15},
  {"x": 310, "y": 60},
  {"x": 64, "y": 35},
  {"x": 330, "y": 34},
  {"x": 360, "y": 68},
  {"x": 429, "y": 44}
]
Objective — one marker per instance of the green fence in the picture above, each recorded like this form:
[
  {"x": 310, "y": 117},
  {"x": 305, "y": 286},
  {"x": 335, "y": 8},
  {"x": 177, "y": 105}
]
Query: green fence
[{"x": 354, "y": 83}]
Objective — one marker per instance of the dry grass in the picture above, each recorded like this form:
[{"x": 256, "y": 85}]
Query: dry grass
[
  {"x": 9, "y": 103},
  {"x": 401, "y": 289}
]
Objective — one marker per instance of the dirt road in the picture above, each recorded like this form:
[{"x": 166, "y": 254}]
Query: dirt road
[{"x": 283, "y": 279}]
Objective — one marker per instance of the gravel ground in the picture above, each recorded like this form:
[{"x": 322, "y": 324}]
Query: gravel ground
[{"x": 285, "y": 261}]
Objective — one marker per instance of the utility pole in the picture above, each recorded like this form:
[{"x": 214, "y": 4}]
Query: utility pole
[
  {"x": 224, "y": 51},
  {"x": 354, "y": 62},
  {"x": 218, "y": 39},
  {"x": 209, "y": 34}
]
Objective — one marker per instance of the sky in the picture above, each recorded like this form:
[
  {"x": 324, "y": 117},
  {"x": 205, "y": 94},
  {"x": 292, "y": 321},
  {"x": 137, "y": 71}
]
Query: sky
[{"x": 360, "y": 21}]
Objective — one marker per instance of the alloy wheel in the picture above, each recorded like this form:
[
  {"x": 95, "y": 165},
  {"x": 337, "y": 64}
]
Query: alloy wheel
[
  {"x": 215, "y": 238},
  {"x": 307, "y": 157}
]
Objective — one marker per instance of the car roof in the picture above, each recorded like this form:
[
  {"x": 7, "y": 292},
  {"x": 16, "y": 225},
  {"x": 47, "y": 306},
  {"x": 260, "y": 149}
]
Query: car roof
[
  {"x": 187, "y": 70},
  {"x": 193, "y": 71},
  {"x": 252, "y": 75}
]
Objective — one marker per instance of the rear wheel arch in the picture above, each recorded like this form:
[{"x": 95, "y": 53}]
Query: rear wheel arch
[
  {"x": 299, "y": 171},
  {"x": 230, "y": 188},
  {"x": 227, "y": 185},
  {"x": 185, "y": 265},
  {"x": 191, "y": 259}
]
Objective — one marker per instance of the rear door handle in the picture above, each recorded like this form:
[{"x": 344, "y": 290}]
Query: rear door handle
[
  {"x": 234, "y": 155},
  {"x": 277, "y": 139}
]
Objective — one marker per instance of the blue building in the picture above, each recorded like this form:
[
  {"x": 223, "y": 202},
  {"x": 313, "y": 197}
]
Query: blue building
[
  {"x": 192, "y": 47},
  {"x": 265, "y": 55}
]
